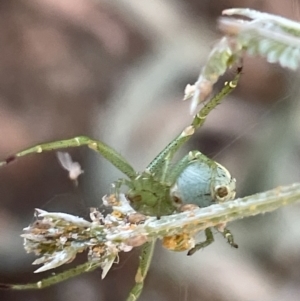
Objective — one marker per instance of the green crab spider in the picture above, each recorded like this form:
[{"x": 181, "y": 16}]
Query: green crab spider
[{"x": 161, "y": 189}]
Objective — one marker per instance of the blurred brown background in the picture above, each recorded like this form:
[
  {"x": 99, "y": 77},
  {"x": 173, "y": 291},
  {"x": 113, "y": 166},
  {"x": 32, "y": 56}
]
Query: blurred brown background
[{"x": 116, "y": 70}]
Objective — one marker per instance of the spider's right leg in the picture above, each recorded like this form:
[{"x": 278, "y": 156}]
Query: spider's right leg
[
  {"x": 209, "y": 240},
  {"x": 106, "y": 151},
  {"x": 145, "y": 260}
]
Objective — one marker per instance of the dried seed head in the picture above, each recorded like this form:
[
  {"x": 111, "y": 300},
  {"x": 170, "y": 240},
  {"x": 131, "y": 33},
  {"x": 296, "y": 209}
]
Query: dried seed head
[
  {"x": 136, "y": 218},
  {"x": 188, "y": 207},
  {"x": 136, "y": 241},
  {"x": 189, "y": 91},
  {"x": 110, "y": 200}
]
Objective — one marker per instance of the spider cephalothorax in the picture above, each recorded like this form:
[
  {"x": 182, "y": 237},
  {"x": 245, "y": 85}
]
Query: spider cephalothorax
[{"x": 150, "y": 196}]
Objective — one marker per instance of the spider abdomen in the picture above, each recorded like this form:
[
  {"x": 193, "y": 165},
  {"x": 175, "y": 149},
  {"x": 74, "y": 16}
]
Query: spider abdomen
[{"x": 204, "y": 182}]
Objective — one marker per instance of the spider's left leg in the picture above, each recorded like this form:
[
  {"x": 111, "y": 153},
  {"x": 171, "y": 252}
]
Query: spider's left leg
[
  {"x": 144, "y": 264},
  {"x": 80, "y": 269},
  {"x": 227, "y": 235},
  {"x": 147, "y": 250},
  {"x": 106, "y": 151},
  {"x": 209, "y": 240}
]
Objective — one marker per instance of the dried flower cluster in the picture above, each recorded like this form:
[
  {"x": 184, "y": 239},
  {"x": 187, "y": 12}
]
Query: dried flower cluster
[
  {"x": 58, "y": 237},
  {"x": 247, "y": 31}
]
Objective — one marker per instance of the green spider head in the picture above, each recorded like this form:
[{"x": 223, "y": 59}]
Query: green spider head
[{"x": 149, "y": 196}]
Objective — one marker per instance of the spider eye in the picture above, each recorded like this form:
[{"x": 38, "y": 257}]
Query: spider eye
[
  {"x": 225, "y": 193},
  {"x": 177, "y": 201},
  {"x": 222, "y": 192}
]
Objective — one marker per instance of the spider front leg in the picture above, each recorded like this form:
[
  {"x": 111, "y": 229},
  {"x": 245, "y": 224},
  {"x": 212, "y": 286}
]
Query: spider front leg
[
  {"x": 106, "y": 151},
  {"x": 160, "y": 164}
]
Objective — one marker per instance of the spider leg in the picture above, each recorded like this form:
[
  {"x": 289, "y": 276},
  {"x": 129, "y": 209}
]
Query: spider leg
[
  {"x": 148, "y": 248},
  {"x": 209, "y": 240},
  {"x": 145, "y": 260},
  {"x": 106, "y": 151},
  {"x": 168, "y": 152},
  {"x": 228, "y": 236},
  {"x": 80, "y": 269}
]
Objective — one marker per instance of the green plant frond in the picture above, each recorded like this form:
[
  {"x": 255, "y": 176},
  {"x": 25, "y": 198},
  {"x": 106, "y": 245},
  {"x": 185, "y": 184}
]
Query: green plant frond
[
  {"x": 272, "y": 37},
  {"x": 269, "y": 21}
]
